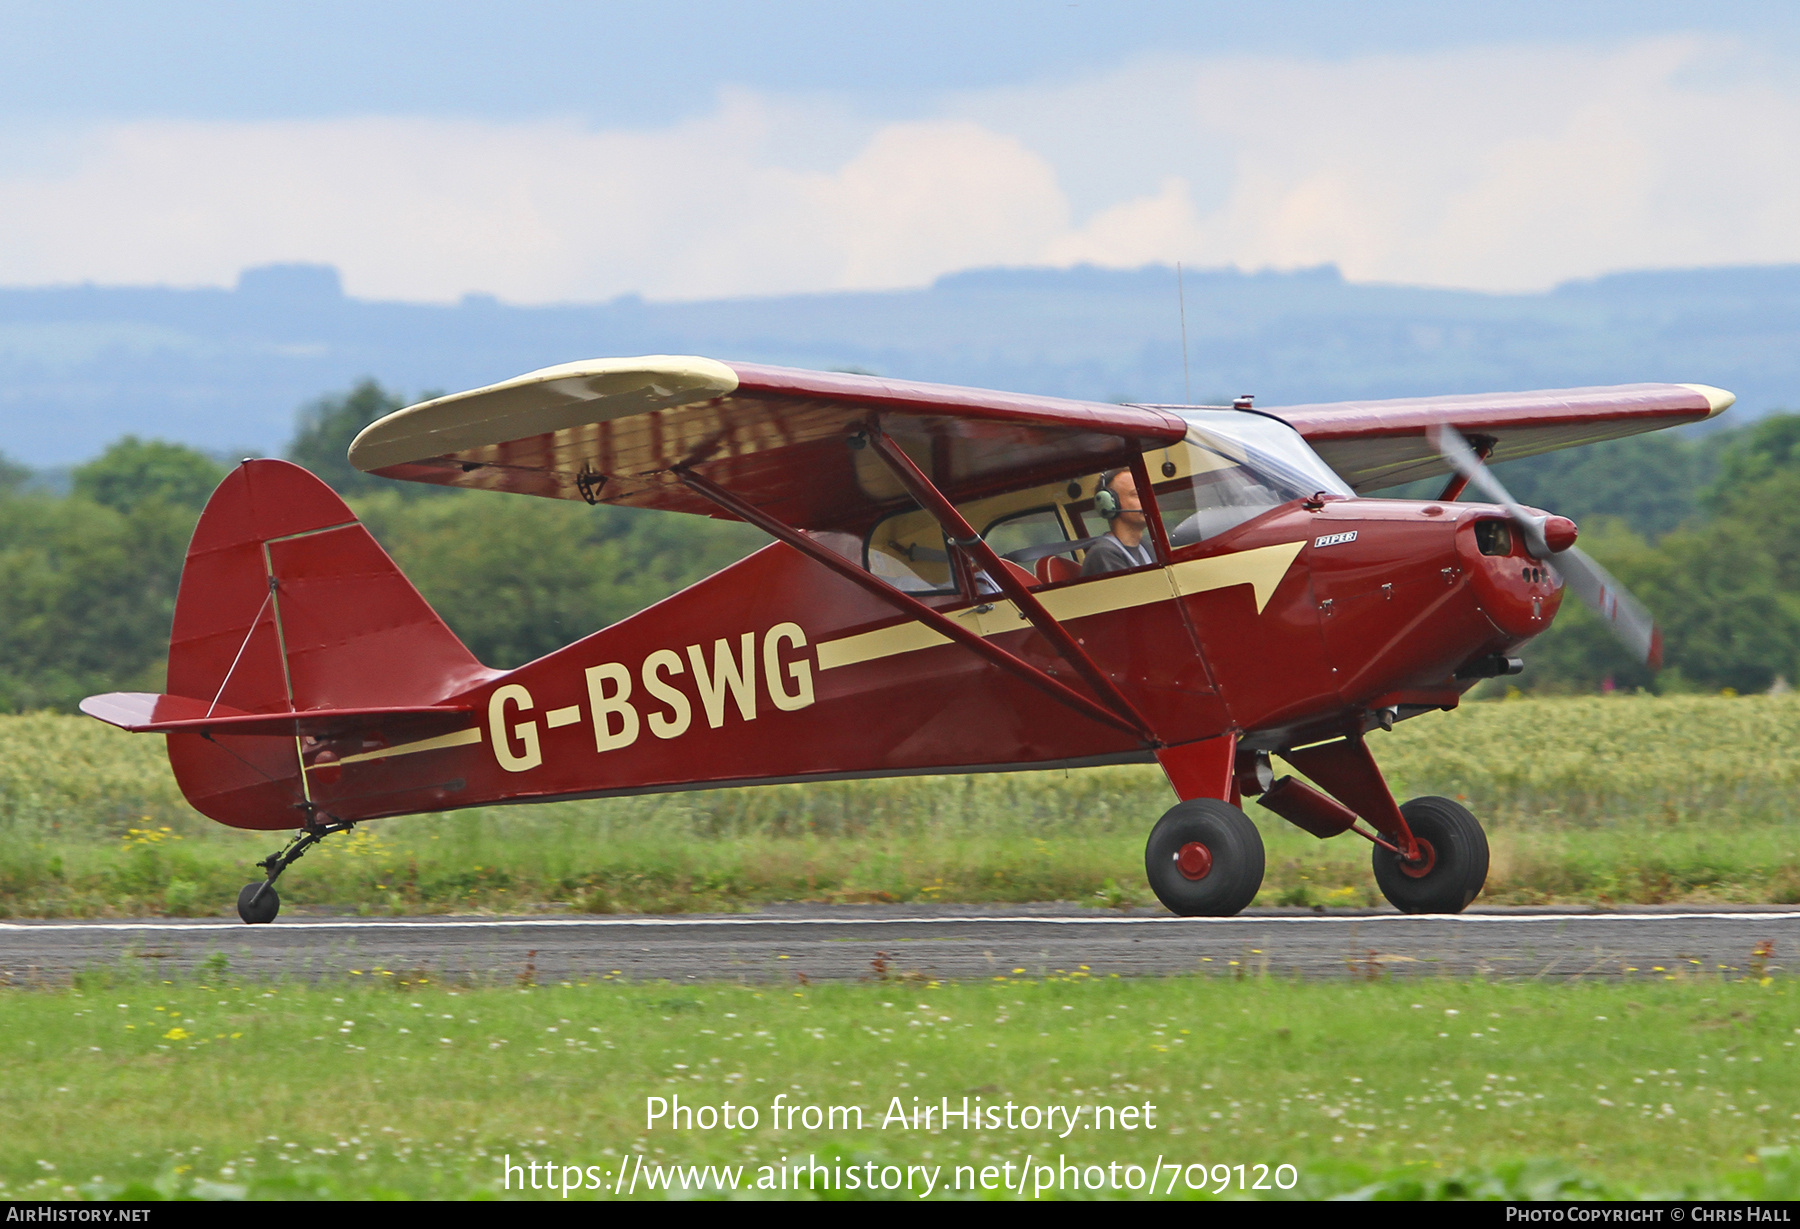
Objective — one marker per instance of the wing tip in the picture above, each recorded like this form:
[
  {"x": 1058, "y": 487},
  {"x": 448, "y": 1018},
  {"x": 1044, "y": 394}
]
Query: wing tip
[{"x": 1718, "y": 400}]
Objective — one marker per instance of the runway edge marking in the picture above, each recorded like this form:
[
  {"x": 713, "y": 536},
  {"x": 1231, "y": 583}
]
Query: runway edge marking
[{"x": 697, "y": 923}]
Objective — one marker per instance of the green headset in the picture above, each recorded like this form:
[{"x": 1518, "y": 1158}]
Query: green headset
[{"x": 1106, "y": 500}]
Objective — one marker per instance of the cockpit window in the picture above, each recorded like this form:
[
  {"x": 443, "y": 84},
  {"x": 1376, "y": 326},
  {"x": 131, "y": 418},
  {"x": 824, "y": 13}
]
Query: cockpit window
[
  {"x": 1022, "y": 531},
  {"x": 1231, "y": 467},
  {"x": 907, "y": 551}
]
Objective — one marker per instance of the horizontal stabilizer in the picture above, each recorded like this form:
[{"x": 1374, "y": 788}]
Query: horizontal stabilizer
[{"x": 142, "y": 712}]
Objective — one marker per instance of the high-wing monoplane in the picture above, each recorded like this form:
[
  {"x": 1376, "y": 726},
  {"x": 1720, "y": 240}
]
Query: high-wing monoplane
[{"x": 942, "y": 596}]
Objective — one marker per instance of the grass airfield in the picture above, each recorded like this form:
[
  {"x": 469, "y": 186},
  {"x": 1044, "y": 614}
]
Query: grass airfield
[
  {"x": 1622, "y": 800},
  {"x": 393, "y": 1085},
  {"x": 395, "y": 1088}
]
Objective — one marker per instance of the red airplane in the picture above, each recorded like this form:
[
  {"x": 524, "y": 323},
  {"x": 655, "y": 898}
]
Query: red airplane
[{"x": 961, "y": 581}]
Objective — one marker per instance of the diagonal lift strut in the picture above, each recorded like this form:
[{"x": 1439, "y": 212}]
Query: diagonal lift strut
[
  {"x": 962, "y": 534},
  {"x": 909, "y": 605}
]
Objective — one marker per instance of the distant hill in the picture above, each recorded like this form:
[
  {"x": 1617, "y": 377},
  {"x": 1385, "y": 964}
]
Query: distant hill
[{"x": 226, "y": 369}]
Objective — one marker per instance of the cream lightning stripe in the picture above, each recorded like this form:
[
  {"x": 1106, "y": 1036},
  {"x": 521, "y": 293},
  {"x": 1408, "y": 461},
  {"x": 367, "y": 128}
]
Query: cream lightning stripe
[
  {"x": 1099, "y": 596},
  {"x": 461, "y": 738},
  {"x": 1261, "y": 569},
  {"x": 901, "y": 638}
]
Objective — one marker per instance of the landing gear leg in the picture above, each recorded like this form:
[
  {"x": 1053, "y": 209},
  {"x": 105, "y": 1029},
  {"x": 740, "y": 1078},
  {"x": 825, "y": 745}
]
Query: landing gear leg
[
  {"x": 257, "y": 903},
  {"x": 1430, "y": 855},
  {"x": 1453, "y": 861}
]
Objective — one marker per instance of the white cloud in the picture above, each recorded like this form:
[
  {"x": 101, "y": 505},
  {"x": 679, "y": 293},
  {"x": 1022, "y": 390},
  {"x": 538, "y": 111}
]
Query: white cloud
[
  {"x": 1140, "y": 231},
  {"x": 1507, "y": 168},
  {"x": 425, "y": 209},
  {"x": 1504, "y": 169}
]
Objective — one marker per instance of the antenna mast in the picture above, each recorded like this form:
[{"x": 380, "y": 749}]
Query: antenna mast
[{"x": 1187, "y": 387}]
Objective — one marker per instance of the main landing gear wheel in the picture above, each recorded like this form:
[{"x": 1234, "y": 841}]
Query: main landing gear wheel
[
  {"x": 1204, "y": 859},
  {"x": 255, "y": 909},
  {"x": 1454, "y": 865}
]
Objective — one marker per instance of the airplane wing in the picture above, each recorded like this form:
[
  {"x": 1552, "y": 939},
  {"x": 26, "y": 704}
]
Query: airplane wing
[
  {"x": 617, "y": 431},
  {"x": 1376, "y": 444}
]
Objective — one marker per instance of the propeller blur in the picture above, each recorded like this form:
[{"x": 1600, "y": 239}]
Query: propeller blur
[{"x": 1552, "y": 543}]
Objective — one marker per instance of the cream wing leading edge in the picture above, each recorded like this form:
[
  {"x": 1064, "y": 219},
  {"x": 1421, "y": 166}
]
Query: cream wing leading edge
[{"x": 540, "y": 402}]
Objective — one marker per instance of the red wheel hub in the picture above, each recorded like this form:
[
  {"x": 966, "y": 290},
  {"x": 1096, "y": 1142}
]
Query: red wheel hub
[
  {"x": 1427, "y": 860},
  {"x": 1193, "y": 860}
]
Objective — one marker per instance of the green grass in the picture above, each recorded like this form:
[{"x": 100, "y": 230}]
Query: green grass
[
  {"x": 384, "y": 1084},
  {"x": 1627, "y": 799},
  {"x": 389, "y": 1086}
]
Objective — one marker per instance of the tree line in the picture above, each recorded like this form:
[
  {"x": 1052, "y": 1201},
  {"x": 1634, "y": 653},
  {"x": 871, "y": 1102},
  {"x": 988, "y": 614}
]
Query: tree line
[{"x": 1705, "y": 529}]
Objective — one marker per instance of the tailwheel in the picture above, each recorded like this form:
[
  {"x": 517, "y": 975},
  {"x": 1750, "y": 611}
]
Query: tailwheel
[
  {"x": 1204, "y": 859},
  {"x": 258, "y": 904},
  {"x": 1453, "y": 861}
]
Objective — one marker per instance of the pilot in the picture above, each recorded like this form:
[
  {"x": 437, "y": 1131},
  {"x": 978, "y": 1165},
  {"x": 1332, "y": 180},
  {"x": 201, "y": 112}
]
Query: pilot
[{"x": 1116, "y": 499}]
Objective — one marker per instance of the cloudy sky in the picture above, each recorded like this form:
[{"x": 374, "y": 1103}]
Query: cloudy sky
[{"x": 556, "y": 151}]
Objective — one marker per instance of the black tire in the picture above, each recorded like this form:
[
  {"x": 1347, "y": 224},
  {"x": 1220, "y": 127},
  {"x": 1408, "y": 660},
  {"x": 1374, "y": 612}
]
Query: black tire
[
  {"x": 261, "y": 910},
  {"x": 1234, "y": 849},
  {"x": 1459, "y": 860}
]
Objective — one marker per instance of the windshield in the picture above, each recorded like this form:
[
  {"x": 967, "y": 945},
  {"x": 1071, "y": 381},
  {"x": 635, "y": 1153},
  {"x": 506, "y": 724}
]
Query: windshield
[{"x": 1233, "y": 466}]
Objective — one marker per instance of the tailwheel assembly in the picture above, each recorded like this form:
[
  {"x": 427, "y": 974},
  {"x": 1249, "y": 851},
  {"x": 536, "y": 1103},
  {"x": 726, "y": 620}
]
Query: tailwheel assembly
[
  {"x": 1452, "y": 864},
  {"x": 258, "y": 904},
  {"x": 1204, "y": 859}
]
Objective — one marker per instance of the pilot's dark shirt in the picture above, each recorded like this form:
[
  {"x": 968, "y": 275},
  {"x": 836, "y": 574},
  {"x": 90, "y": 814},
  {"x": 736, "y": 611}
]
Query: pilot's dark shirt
[{"x": 1111, "y": 555}]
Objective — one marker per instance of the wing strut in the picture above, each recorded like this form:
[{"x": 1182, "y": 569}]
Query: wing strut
[
  {"x": 1483, "y": 446},
  {"x": 962, "y": 534},
  {"x": 907, "y": 604}
]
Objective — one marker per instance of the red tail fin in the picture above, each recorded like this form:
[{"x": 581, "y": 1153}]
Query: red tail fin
[
  {"x": 282, "y": 580},
  {"x": 288, "y": 605}
]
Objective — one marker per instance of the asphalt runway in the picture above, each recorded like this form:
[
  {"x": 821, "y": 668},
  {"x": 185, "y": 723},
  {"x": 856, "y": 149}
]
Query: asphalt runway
[{"x": 844, "y": 943}]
